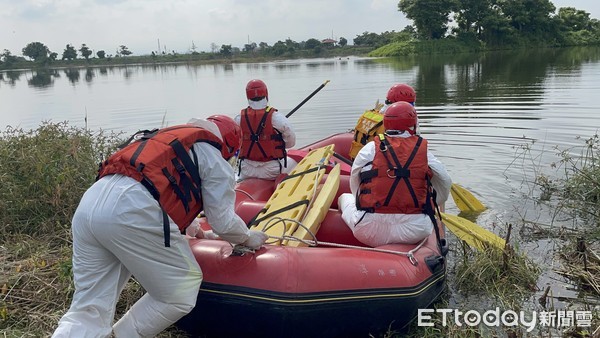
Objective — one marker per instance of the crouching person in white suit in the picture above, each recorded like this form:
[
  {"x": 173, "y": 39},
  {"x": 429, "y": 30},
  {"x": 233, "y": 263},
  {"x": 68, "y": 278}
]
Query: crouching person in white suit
[{"x": 128, "y": 223}]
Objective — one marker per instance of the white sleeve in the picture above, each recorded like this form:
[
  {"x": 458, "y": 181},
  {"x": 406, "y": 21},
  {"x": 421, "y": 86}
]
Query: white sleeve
[
  {"x": 218, "y": 195},
  {"x": 364, "y": 156},
  {"x": 441, "y": 180},
  {"x": 281, "y": 123}
]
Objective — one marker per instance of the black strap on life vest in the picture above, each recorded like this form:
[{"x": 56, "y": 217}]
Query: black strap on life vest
[
  {"x": 146, "y": 182},
  {"x": 400, "y": 172},
  {"x": 428, "y": 209},
  {"x": 279, "y": 137},
  {"x": 146, "y": 134},
  {"x": 189, "y": 179},
  {"x": 254, "y": 135}
]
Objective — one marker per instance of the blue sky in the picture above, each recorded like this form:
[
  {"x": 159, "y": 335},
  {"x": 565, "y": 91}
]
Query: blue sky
[{"x": 142, "y": 24}]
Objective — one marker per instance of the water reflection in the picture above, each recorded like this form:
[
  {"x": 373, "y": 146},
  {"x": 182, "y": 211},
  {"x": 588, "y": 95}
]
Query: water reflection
[
  {"x": 72, "y": 74},
  {"x": 89, "y": 75},
  {"x": 10, "y": 77},
  {"x": 287, "y": 66},
  {"x": 470, "y": 76},
  {"x": 43, "y": 78}
]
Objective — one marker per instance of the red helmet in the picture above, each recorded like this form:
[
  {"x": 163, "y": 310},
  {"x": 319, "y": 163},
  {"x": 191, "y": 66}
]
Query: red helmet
[
  {"x": 401, "y": 92},
  {"x": 400, "y": 116},
  {"x": 231, "y": 133},
  {"x": 256, "y": 89}
]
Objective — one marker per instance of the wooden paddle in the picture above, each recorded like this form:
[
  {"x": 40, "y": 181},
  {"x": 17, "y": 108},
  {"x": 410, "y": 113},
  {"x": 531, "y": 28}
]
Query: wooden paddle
[
  {"x": 465, "y": 200},
  {"x": 473, "y": 234}
]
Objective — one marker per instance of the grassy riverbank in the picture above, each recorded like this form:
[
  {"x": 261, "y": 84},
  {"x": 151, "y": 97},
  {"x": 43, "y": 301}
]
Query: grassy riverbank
[
  {"x": 44, "y": 172},
  {"x": 190, "y": 58}
]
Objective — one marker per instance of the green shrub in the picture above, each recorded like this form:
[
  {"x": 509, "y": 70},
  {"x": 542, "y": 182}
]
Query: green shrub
[
  {"x": 394, "y": 49},
  {"x": 43, "y": 174}
]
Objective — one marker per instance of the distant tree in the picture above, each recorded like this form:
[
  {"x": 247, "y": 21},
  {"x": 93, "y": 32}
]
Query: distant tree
[
  {"x": 530, "y": 16},
  {"x": 312, "y": 43},
  {"x": 214, "y": 48},
  {"x": 53, "y": 56},
  {"x": 431, "y": 17},
  {"x": 7, "y": 58},
  {"x": 85, "y": 51},
  {"x": 279, "y": 48},
  {"x": 69, "y": 53},
  {"x": 471, "y": 15},
  {"x": 123, "y": 50},
  {"x": 496, "y": 28},
  {"x": 101, "y": 54},
  {"x": 249, "y": 47},
  {"x": 410, "y": 30},
  {"x": 574, "y": 19},
  {"x": 225, "y": 50},
  {"x": 292, "y": 45},
  {"x": 36, "y": 51},
  {"x": 342, "y": 42},
  {"x": 367, "y": 39},
  {"x": 263, "y": 45}
]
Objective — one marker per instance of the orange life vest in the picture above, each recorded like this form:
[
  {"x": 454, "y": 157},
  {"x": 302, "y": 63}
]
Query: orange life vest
[
  {"x": 160, "y": 160},
  {"x": 398, "y": 180},
  {"x": 260, "y": 140}
]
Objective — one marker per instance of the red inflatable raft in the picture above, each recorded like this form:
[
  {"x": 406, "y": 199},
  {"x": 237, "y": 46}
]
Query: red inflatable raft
[{"x": 315, "y": 291}]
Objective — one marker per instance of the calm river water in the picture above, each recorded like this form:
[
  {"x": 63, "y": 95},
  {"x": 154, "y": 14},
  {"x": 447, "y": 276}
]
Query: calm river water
[{"x": 476, "y": 110}]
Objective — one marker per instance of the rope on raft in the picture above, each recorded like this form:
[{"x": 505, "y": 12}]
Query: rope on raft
[{"x": 314, "y": 242}]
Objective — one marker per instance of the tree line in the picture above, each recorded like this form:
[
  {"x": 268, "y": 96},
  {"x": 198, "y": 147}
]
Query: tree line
[
  {"x": 40, "y": 54},
  {"x": 501, "y": 22}
]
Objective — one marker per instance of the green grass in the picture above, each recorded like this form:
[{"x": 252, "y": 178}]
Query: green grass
[{"x": 43, "y": 174}]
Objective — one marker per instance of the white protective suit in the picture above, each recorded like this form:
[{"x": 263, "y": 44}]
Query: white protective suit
[
  {"x": 377, "y": 229},
  {"x": 118, "y": 231},
  {"x": 271, "y": 169}
]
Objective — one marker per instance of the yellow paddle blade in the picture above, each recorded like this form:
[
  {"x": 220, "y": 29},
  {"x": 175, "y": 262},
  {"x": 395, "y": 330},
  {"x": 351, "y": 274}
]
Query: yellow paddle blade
[
  {"x": 473, "y": 234},
  {"x": 464, "y": 199}
]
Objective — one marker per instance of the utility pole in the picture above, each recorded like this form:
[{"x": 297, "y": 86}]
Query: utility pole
[{"x": 158, "y": 46}]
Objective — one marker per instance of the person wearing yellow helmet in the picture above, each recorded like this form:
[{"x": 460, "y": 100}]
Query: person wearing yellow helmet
[{"x": 370, "y": 122}]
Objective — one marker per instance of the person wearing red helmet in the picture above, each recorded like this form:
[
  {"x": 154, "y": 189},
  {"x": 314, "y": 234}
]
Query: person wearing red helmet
[
  {"x": 370, "y": 123},
  {"x": 391, "y": 199},
  {"x": 266, "y": 134},
  {"x": 133, "y": 219}
]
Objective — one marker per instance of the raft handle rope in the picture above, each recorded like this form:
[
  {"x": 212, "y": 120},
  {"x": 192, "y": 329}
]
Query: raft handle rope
[
  {"x": 245, "y": 193},
  {"x": 314, "y": 242}
]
